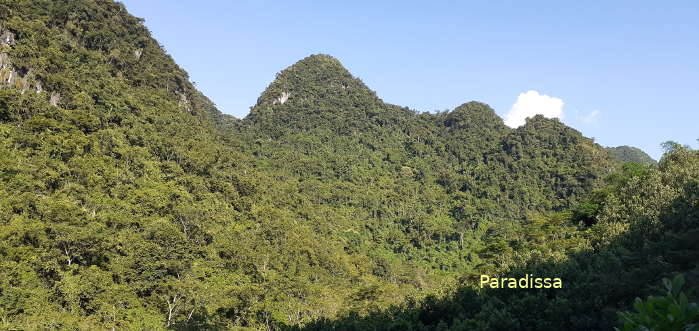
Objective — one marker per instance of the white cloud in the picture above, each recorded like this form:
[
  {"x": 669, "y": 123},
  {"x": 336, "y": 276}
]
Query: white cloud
[
  {"x": 589, "y": 118},
  {"x": 531, "y": 103}
]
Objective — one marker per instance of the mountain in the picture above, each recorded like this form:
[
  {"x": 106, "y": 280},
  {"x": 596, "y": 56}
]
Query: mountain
[
  {"x": 109, "y": 162},
  {"x": 320, "y": 82},
  {"x": 630, "y": 154},
  {"x": 319, "y": 93},
  {"x": 128, "y": 201},
  {"x": 604, "y": 268}
]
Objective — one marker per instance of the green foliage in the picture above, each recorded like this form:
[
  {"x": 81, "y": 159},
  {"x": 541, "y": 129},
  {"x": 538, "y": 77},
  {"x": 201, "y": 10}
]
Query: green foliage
[
  {"x": 630, "y": 154},
  {"x": 128, "y": 201},
  {"x": 646, "y": 228},
  {"x": 670, "y": 312}
]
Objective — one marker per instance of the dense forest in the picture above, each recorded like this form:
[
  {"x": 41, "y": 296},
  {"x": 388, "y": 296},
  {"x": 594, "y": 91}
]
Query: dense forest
[
  {"x": 128, "y": 201},
  {"x": 630, "y": 154}
]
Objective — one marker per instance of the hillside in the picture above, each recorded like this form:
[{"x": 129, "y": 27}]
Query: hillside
[
  {"x": 645, "y": 228},
  {"x": 127, "y": 200},
  {"x": 630, "y": 154}
]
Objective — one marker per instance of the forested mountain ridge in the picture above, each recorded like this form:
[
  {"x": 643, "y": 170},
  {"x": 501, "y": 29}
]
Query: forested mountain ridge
[
  {"x": 127, "y": 200},
  {"x": 645, "y": 227},
  {"x": 630, "y": 154},
  {"x": 467, "y": 148},
  {"x": 51, "y": 41},
  {"x": 319, "y": 81}
]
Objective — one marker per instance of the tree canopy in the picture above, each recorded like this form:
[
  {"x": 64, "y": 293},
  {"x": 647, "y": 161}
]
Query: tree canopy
[{"x": 128, "y": 201}]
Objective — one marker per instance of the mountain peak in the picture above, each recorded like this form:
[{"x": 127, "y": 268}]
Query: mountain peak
[
  {"x": 320, "y": 59},
  {"x": 475, "y": 119},
  {"x": 626, "y": 154},
  {"x": 318, "y": 81},
  {"x": 473, "y": 113}
]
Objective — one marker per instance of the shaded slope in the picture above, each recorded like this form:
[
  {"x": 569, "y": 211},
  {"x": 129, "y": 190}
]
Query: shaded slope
[{"x": 646, "y": 231}]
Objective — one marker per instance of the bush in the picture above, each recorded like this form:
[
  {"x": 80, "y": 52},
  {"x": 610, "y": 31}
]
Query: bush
[{"x": 670, "y": 312}]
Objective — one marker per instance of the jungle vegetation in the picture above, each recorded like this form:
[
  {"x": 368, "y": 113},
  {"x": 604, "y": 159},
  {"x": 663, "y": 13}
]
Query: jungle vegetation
[
  {"x": 630, "y": 154},
  {"x": 128, "y": 201}
]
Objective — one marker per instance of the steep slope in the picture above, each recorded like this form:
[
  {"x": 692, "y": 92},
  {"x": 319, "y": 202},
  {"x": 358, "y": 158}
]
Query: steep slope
[
  {"x": 318, "y": 93},
  {"x": 630, "y": 154},
  {"x": 319, "y": 82},
  {"x": 113, "y": 182},
  {"x": 128, "y": 201},
  {"x": 52, "y": 43}
]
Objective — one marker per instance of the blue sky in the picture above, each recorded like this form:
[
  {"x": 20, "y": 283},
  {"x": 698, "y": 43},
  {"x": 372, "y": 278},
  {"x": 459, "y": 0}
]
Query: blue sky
[{"x": 624, "y": 72}]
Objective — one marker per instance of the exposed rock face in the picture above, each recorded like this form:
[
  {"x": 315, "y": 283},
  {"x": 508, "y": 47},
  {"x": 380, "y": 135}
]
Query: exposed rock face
[
  {"x": 282, "y": 98},
  {"x": 20, "y": 78},
  {"x": 4, "y": 60},
  {"x": 8, "y": 74},
  {"x": 184, "y": 102},
  {"x": 12, "y": 77},
  {"x": 6, "y": 37},
  {"x": 55, "y": 98}
]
